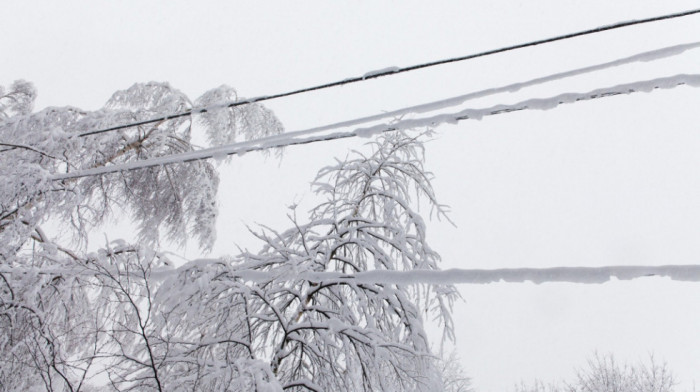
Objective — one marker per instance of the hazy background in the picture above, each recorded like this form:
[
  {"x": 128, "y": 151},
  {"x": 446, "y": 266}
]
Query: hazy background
[{"x": 610, "y": 182}]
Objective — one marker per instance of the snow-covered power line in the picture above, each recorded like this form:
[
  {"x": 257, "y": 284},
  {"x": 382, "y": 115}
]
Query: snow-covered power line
[
  {"x": 647, "y": 56},
  {"x": 581, "y": 275},
  {"x": 396, "y": 70},
  {"x": 314, "y": 135},
  {"x": 653, "y": 55}
]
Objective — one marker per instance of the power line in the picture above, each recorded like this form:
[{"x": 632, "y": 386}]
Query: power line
[
  {"x": 312, "y": 136},
  {"x": 581, "y": 275},
  {"x": 648, "y": 56},
  {"x": 656, "y": 54},
  {"x": 397, "y": 70},
  {"x": 653, "y": 55}
]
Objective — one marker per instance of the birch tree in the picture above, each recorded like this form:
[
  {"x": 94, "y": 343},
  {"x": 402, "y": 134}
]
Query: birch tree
[
  {"x": 603, "y": 373},
  {"x": 321, "y": 335},
  {"x": 37, "y": 309},
  {"x": 267, "y": 321}
]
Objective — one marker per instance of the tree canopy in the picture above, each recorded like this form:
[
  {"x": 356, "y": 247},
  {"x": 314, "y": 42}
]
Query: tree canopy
[{"x": 126, "y": 318}]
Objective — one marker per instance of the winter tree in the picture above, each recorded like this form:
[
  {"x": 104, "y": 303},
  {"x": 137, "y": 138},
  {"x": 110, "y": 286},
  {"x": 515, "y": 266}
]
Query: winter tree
[
  {"x": 125, "y": 317},
  {"x": 453, "y": 375},
  {"x": 604, "y": 374}
]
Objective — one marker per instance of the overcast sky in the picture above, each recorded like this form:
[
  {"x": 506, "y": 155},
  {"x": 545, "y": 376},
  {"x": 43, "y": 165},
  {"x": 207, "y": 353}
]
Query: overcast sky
[{"x": 610, "y": 182}]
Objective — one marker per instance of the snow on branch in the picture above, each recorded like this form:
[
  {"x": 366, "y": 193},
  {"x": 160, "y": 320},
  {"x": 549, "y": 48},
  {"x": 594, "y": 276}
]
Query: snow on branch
[{"x": 312, "y": 136}]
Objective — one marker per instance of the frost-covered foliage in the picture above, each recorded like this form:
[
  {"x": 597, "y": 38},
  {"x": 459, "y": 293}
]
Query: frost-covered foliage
[
  {"x": 17, "y": 99},
  {"x": 604, "y": 374},
  {"x": 223, "y": 124},
  {"x": 256, "y": 321},
  {"x": 36, "y": 145},
  {"x": 327, "y": 335},
  {"x": 453, "y": 375},
  {"x": 41, "y": 314}
]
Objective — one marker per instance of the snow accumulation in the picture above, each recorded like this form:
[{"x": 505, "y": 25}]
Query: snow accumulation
[
  {"x": 378, "y": 72},
  {"x": 653, "y": 55},
  {"x": 211, "y": 108},
  {"x": 312, "y": 135},
  {"x": 458, "y": 100},
  {"x": 581, "y": 275},
  {"x": 585, "y": 275}
]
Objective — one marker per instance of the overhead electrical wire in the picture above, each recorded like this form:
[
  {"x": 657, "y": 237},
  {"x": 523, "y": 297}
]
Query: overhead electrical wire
[
  {"x": 397, "y": 70},
  {"x": 580, "y": 275},
  {"x": 511, "y": 88},
  {"x": 648, "y": 56},
  {"x": 312, "y": 136},
  {"x": 285, "y": 139}
]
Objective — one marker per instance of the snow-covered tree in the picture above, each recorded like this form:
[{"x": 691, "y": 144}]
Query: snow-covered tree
[
  {"x": 604, "y": 374},
  {"x": 311, "y": 334},
  {"x": 40, "y": 311},
  {"x": 454, "y": 378},
  {"x": 267, "y": 321}
]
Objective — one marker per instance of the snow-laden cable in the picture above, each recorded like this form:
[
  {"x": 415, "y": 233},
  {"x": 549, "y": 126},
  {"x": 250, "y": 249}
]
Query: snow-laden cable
[
  {"x": 581, "y": 275},
  {"x": 649, "y": 56},
  {"x": 397, "y": 70},
  {"x": 313, "y": 135},
  {"x": 584, "y": 275}
]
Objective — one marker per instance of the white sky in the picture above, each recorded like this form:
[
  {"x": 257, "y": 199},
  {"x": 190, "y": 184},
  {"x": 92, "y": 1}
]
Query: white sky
[{"x": 610, "y": 182}]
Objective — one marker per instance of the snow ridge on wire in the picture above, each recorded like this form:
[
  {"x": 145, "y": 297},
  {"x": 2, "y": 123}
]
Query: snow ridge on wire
[
  {"x": 653, "y": 55},
  {"x": 584, "y": 275},
  {"x": 396, "y": 70},
  {"x": 312, "y": 135},
  {"x": 581, "y": 275}
]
